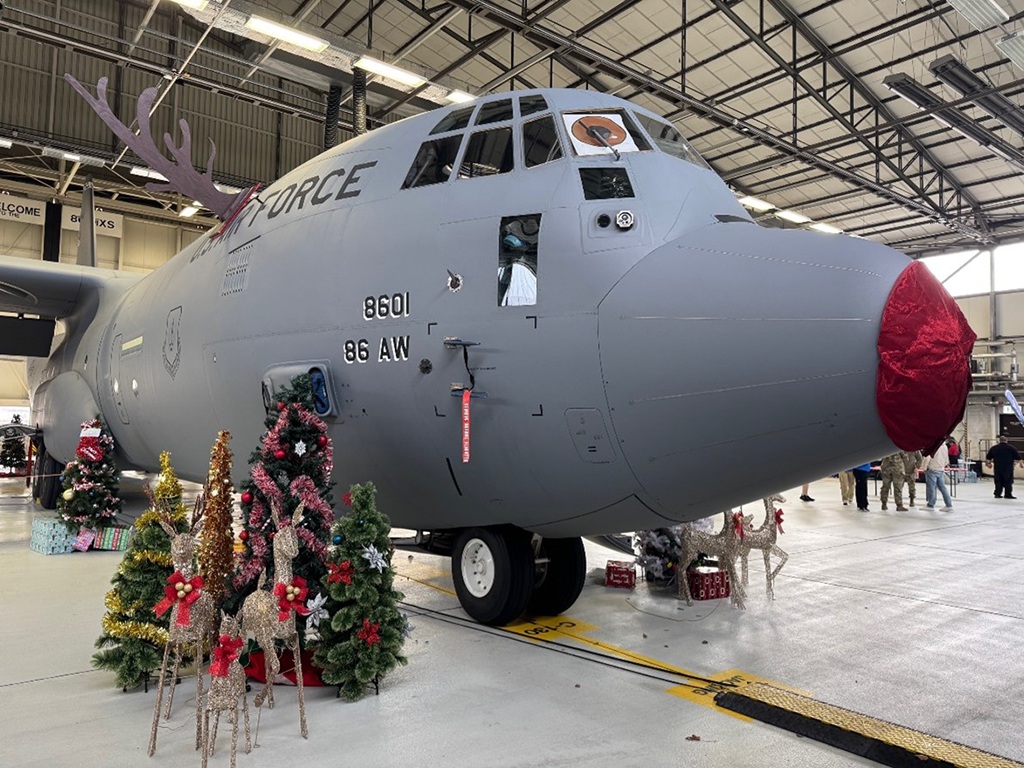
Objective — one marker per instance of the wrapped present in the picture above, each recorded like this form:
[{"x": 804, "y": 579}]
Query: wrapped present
[
  {"x": 620, "y": 573},
  {"x": 707, "y": 583},
  {"x": 84, "y": 539},
  {"x": 114, "y": 537},
  {"x": 51, "y": 537}
]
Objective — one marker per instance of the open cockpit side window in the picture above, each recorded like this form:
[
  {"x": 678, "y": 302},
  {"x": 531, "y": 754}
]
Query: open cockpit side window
[
  {"x": 670, "y": 141},
  {"x": 517, "y": 260},
  {"x": 434, "y": 162}
]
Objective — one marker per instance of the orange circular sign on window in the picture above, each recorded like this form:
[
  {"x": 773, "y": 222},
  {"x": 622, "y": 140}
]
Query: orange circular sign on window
[{"x": 587, "y": 129}]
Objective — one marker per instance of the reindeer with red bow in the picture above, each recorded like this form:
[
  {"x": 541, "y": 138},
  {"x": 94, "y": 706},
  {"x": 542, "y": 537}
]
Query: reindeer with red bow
[
  {"x": 764, "y": 539},
  {"x": 193, "y": 614},
  {"x": 724, "y": 545},
  {"x": 227, "y": 686},
  {"x": 270, "y": 614}
]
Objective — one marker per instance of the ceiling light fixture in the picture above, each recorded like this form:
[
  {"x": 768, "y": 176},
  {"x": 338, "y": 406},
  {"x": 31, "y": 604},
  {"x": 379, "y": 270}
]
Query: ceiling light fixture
[
  {"x": 828, "y": 229},
  {"x": 391, "y": 73},
  {"x": 6, "y": 143},
  {"x": 963, "y": 79},
  {"x": 286, "y": 34},
  {"x": 982, "y": 14},
  {"x": 793, "y": 216},
  {"x": 1012, "y": 47},
  {"x": 147, "y": 173},
  {"x": 188, "y": 211},
  {"x": 756, "y": 203},
  {"x": 459, "y": 97}
]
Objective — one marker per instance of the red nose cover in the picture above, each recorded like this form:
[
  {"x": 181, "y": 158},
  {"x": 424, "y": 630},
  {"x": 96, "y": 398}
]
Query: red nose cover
[{"x": 924, "y": 348}]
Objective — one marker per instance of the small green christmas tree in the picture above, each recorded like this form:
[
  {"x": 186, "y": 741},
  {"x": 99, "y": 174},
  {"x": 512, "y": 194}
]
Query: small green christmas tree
[
  {"x": 133, "y": 639},
  {"x": 362, "y": 640},
  {"x": 12, "y": 453},
  {"x": 90, "y": 481}
]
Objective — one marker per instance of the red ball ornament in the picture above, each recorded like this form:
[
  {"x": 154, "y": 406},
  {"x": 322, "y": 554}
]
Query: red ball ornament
[
  {"x": 246, "y": 497},
  {"x": 279, "y": 454},
  {"x": 281, "y": 406},
  {"x": 271, "y": 536},
  {"x": 244, "y": 535},
  {"x": 321, "y": 440}
]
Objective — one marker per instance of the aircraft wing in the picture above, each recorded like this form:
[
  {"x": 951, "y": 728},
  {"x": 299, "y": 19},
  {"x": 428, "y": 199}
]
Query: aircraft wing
[{"x": 44, "y": 291}]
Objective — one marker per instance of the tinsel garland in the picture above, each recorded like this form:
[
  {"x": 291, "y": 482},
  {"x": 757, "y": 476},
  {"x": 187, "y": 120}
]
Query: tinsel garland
[
  {"x": 306, "y": 491},
  {"x": 114, "y": 604},
  {"x": 135, "y": 630},
  {"x": 151, "y": 556},
  {"x": 266, "y": 484}
]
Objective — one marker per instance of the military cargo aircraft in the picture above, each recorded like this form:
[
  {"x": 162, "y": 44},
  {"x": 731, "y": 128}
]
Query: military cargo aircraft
[{"x": 531, "y": 318}]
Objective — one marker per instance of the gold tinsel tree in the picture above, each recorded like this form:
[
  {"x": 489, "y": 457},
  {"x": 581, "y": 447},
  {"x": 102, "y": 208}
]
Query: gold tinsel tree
[
  {"x": 133, "y": 639},
  {"x": 216, "y": 541}
]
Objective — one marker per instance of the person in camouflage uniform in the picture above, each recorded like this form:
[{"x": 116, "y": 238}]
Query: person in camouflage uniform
[
  {"x": 911, "y": 461},
  {"x": 893, "y": 476}
]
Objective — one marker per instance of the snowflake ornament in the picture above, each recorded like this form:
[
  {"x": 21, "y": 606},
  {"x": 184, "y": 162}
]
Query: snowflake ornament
[
  {"x": 375, "y": 558},
  {"x": 300, "y": 448}
]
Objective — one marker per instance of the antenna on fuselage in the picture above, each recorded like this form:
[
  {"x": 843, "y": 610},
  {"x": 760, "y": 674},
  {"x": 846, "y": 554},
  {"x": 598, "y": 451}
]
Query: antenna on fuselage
[{"x": 87, "y": 228}]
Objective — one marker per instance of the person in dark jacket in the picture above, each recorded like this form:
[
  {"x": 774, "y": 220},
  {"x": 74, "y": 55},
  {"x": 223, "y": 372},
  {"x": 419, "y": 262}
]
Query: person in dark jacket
[{"x": 1003, "y": 455}]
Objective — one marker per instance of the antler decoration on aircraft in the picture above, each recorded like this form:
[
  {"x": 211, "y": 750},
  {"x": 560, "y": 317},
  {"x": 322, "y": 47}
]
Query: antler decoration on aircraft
[{"x": 181, "y": 175}]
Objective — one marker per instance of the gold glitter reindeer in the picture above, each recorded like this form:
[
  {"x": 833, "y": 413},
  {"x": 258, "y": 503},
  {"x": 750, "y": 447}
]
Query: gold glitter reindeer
[
  {"x": 270, "y": 614},
  {"x": 724, "y": 545},
  {"x": 764, "y": 539},
  {"x": 227, "y": 686},
  {"x": 193, "y": 615}
]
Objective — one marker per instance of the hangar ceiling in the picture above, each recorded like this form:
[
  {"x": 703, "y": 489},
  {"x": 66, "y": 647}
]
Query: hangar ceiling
[{"x": 794, "y": 102}]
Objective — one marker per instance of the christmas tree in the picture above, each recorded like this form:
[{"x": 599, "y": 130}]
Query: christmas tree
[
  {"x": 362, "y": 640},
  {"x": 216, "y": 540},
  {"x": 293, "y": 465},
  {"x": 12, "y": 453},
  {"x": 90, "y": 480},
  {"x": 133, "y": 639},
  {"x": 659, "y": 552}
]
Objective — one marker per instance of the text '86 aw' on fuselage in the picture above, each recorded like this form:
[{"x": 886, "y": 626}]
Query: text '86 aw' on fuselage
[{"x": 636, "y": 350}]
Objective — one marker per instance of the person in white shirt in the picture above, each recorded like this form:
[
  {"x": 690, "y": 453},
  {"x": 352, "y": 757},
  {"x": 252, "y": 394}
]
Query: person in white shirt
[{"x": 935, "y": 477}]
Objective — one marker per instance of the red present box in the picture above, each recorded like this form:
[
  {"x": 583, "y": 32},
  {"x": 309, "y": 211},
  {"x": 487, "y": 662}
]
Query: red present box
[
  {"x": 620, "y": 573},
  {"x": 707, "y": 583}
]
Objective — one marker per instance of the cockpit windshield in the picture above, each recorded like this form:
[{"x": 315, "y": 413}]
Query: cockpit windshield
[{"x": 670, "y": 141}]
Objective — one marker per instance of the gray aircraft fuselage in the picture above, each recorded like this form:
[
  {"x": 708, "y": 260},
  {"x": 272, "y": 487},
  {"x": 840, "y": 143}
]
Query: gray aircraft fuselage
[{"x": 642, "y": 374}]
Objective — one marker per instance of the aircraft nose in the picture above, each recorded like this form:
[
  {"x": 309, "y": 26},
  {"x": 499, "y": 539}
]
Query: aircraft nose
[{"x": 774, "y": 357}]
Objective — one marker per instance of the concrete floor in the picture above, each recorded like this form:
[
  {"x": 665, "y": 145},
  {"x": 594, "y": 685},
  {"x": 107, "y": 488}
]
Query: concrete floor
[{"x": 913, "y": 617}]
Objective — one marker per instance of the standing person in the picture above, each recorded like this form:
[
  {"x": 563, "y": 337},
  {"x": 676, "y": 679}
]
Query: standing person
[
  {"x": 860, "y": 481},
  {"x": 846, "y": 485},
  {"x": 911, "y": 461},
  {"x": 803, "y": 493},
  {"x": 953, "y": 450},
  {"x": 935, "y": 478},
  {"x": 1002, "y": 454},
  {"x": 892, "y": 477}
]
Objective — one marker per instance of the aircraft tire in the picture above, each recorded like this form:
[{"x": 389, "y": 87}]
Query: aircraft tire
[
  {"x": 563, "y": 576},
  {"x": 493, "y": 570},
  {"x": 49, "y": 483}
]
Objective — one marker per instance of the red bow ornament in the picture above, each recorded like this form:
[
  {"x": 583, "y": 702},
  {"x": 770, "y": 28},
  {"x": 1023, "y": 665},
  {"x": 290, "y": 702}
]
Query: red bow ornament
[
  {"x": 90, "y": 449},
  {"x": 291, "y": 597},
  {"x": 182, "y": 591},
  {"x": 778, "y": 520},
  {"x": 737, "y": 523},
  {"x": 369, "y": 632},
  {"x": 225, "y": 652},
  {"x": 340, "y": 572}
]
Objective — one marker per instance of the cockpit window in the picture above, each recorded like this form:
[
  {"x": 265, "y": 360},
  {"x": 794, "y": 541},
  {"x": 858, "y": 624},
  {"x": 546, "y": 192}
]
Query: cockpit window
[
  {"x": 488, "y": 153},
  {"x": 529, "y": 105},
  {"x": 540, "y": 142},
  {"x": 605, "y": 183},
  {"x": 603, "y": 133},
  {"x": 454, "y": 121},
  {"x": 495, "y": 112},
  {"x": 670, "y": 141},
  {"x": 434, "y": 162},
  {"x": 517, "y": 260}
]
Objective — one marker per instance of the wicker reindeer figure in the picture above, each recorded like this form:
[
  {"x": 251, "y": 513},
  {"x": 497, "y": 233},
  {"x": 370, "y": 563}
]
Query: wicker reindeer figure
[
  {"x": 764, "y": 539},
  {"x": 724, "y": 545},
  {"x": 193, "y": 615},
  {"x": 227, "y": 686},
  {"x": 270, "y": 614}
]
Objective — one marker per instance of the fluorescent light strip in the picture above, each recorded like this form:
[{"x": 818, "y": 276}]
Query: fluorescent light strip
[
  {"x": 390, "y": 72},
  {"x": 147, "y": 173},
  {"x": 982, "y": 14},
  {"x": 188, "y": 211},
  {"x": 459, "y": 97},
  {"x": 286, "y": 34},
  {"x": 826, "y": 228},
  {"x": 756, "y": 203},
  {"x": 793, "y": 216}
]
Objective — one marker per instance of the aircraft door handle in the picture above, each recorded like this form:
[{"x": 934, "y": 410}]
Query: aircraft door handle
[{"x": 454, "y": 342}]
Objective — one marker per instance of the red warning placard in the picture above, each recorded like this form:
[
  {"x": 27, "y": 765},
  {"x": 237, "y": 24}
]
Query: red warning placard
[{"x": 466, "y": 395}]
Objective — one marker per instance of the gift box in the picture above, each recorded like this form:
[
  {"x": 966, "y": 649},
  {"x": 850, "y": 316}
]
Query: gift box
[
  {"x": 51, "y": 537},
  {"x": 620, "y": 573},
  {"x": 707, "y": 583},
  {"x": 84, "y": 539},
  {"x": 113, "y": 537}
]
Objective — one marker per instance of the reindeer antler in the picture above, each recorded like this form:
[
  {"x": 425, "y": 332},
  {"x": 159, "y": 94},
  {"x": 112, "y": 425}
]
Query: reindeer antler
[{"x": 181, "y": 175}]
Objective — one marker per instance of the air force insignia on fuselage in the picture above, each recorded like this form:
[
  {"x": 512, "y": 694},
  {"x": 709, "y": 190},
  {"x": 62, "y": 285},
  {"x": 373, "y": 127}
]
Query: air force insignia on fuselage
[{"x": 172, "y": 342}]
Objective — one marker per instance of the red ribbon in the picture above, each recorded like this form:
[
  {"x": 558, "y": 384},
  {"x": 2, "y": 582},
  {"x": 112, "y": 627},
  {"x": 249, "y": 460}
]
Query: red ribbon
[
  {"x": 296, "y": 604},
  {"x": 184, "y": 599},
  {"x": 226, "y": 651},
  {"x": 737, "y": 523},
  {"x": 340, "y": 572},
  {"x": 778, "y": 520},
  {"x": 369, "y": 632}
]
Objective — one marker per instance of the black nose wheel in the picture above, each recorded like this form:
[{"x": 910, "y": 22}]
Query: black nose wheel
[{"x": 493, "y": 570}]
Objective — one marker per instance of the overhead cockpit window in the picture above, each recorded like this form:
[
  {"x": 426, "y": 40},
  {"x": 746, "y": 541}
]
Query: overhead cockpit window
[
  {"x": 434, "y": 162},
  {"x": 605, "y": 183},
  {"x": 529, "y": 105},
  {"x": 670, "y": 141},
  {"x": 495, "y": 112},
  {"x": 517, "y": 260},
  {"x": 603, "y": 133},
  {"x": 454, "y": 121},
  {"x": 540, "y": 142},
  {"x": 488, "y": 153}
]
